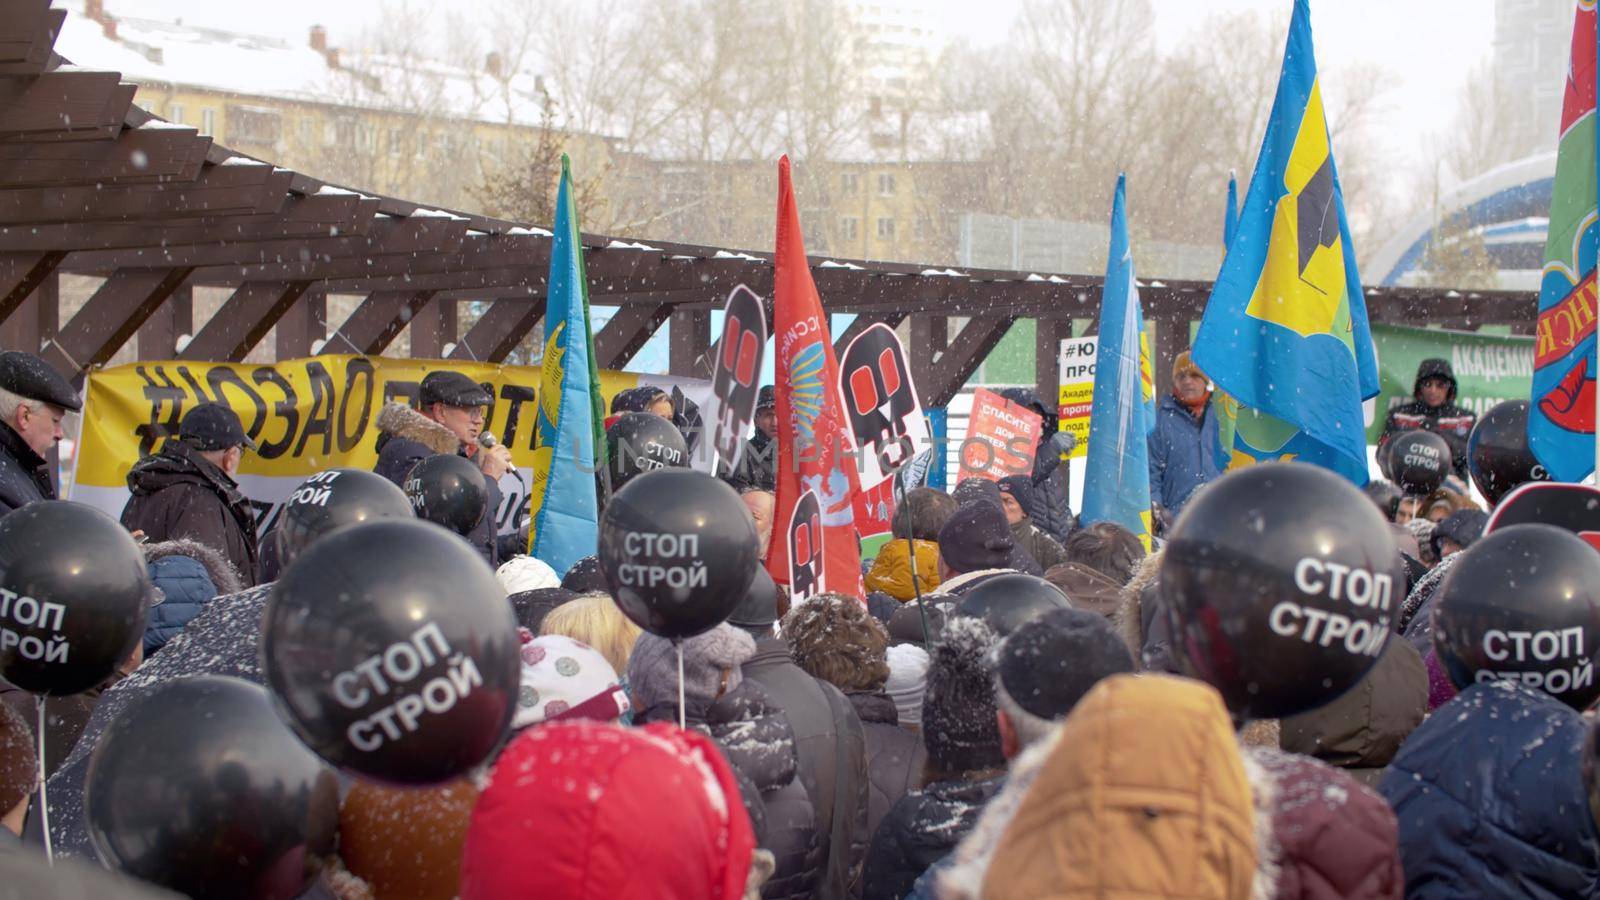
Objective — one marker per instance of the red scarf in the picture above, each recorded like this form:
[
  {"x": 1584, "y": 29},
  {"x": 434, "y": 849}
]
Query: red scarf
[{"x": 1197, "y": 408}]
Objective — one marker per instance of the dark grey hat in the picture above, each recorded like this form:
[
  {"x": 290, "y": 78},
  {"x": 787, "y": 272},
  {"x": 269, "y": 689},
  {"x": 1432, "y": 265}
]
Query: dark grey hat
[
  {"x": 766, "y": 397},
  {"x": 212, "y": 426},
  {"x": 759, "y": 608},
  {"x": 452, "y": 389},
  {"x": 30, "y": 377},
  {"x": 1048, "y": 664}
]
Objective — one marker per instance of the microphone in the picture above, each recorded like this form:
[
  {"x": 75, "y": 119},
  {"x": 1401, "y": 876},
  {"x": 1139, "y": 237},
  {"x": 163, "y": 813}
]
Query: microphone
[{"x": 486, "y": 439}]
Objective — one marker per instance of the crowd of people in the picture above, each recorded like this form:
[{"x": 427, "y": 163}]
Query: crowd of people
[{"x": 1017, "y": 709}]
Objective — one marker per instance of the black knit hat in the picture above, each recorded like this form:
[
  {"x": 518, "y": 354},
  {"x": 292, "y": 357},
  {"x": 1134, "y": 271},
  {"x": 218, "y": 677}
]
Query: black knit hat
[
  {"x": 958, "y": 711},
  {"x": 585, "y": 577},
  {"x": 969, "y": 490},
  {"x": 977, "y": 537},
  {"x": 1048, "y": 664},
  {"x": 1020, "y": 487}
]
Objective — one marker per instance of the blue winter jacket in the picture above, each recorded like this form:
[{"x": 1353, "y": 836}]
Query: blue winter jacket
[
  {"x": 189, "y": 574},
  {"x": 1491, "y": 801},
  {"x": 187, "y": 587},
  {"x": 1182, "y": 456}
]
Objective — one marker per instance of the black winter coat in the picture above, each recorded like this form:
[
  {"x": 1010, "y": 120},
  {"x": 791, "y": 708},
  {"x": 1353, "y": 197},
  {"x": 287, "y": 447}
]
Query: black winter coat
[
  {"x": 1452, "y": 422},
  {"x": 756, "y": 738},
  {"x": 407, "y": 437},
  {"x": 825, "y": 731},
  {"x": 24, "y": 477},
  {"x": 894, "y": 755},
  {"x": 179, "y": 494},
  {"x": 921, "y": 829},
  {"x": 758, "y": 465}
]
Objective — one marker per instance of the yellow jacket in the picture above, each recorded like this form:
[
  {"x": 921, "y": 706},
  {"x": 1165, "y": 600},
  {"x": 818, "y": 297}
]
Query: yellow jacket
[
  {"x": 1142, "y": 793},
  {"x": 891, "y": 571}
]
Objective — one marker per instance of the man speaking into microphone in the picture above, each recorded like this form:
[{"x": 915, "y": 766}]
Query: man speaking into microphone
[{"x": 448, "y": 419}]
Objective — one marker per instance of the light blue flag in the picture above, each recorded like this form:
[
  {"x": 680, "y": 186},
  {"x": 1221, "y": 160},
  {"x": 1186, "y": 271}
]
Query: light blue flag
[
  {"x": 1117, "y": 474},
  {"x": 1285, "y": 332},
  {"x": 564, "y": 510},
  {"x": 1230, "y": 216}
]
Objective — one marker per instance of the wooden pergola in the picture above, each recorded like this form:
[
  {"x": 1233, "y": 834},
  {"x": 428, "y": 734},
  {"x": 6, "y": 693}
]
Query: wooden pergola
[{"x": 91, "y": 184}]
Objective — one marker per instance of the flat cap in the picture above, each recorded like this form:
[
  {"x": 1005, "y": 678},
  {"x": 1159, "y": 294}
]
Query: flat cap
[
  {"x": 30, "y": 377},
  {"x": 452, "y": 389},
  {"x": 212, "y": 426}
]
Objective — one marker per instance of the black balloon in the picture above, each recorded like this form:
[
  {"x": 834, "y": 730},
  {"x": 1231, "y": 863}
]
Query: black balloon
[
  {"x": 1282, "y": 582},
  {"x": 679, "y": 551},
  {"x": 1498, "y": 457},
  {"x": 1419, "y": 461},
  {"x": 199, "y": 788},
  {"x": 1006, "y": 602},
  {"x": 1572, "y": 507},
  {"x": 392, "y": 652},
  {"x": 328, "y": 500},
  {"x": 74, "y": 594},
  {"x": 448, "y": 490},
  {"x": 643, "y": 442},
  {"x": 1523, "y": 604}
]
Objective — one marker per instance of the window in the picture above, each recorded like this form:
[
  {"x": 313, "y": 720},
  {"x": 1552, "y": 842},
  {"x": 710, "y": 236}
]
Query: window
[
  {"x": 725, "y": 227},
  {"x": 396, "y": 141},
  {"x": 253, "y": 125},
  {"x": 175, "y": 113},
  {"x": 850, "y": 184},
  {"x": 886, "y": 229},
  {"x": 921, "y": 227},
  {"x": 208, "y": 121},
  {"x": 849, "y": 228},
  {"x": 330, "y": 133},
  {"x": 885, "y": 185}
]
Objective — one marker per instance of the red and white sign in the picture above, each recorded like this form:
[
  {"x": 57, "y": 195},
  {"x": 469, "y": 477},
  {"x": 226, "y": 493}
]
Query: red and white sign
[{"x": 1001, "y": 437}]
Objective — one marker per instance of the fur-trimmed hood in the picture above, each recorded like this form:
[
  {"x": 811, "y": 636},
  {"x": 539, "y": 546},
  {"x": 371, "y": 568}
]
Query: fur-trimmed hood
[
  {"x": 396, "y": 420},
  {"x": 223, "y": 575},
  {"x": 1129, "y": 617},
  {"x": 1111, "y": 779}
]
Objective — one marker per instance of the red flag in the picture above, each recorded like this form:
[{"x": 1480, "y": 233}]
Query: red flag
[{"x": 814, "y": 443}]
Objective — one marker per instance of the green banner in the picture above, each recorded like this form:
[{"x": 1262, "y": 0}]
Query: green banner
[{"x": 1489, "y": 368}]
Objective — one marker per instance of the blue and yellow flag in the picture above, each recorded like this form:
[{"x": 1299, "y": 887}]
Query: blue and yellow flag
[
  {"x": 1117, "y": 474},
  {"x": 569, "y": 444},
  {"x": 1285, "y": 332},
  {"x": 1230, "y": 216}
]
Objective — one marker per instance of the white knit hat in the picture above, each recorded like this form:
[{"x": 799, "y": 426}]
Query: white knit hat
[
  {"x": 908, "y": 681},
  {"x": 525, "y": 573}
]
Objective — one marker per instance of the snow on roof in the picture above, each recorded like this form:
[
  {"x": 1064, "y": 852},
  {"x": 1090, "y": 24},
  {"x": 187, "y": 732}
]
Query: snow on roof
[{"x": 154, "y": 51}]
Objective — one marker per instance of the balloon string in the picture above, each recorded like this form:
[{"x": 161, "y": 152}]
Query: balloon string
[
  {"x": 44, "y": 804},
  {"x": 682, "y": 720}
]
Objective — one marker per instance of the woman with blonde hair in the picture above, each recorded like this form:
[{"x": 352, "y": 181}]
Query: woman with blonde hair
[{"x": 595, "y": 620}]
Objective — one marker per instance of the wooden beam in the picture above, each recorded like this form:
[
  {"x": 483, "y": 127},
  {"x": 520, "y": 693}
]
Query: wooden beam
[
  {"x": 386, "y": 237},
  {"x": 243, "y": 320},
  {"x": 220, "y": 190},
  {"x": 35, "y": 320},
  {"x": 862, "y": 323},
  {"x": 111, "y": 316},
  {"x": 61, "y": 103},
  {"x": 929, "y": 336},
  {"x": 27, "y": 33},
  {"x": 158, "y": 337},
  {"x": 630, "y": 328},
  {"x": 1172, "y": 338},
  {"x": 1047, "y": 337},
  {"x": 499, "y": 330},
  {"x": 377, "y": 321},
  {"x": 302, "y": 323},
  {"x": 21, "y": 274},
  {"x": 966, "y": 352},
  {"x": 432, "y": 327},
  {"x": 137, "y": 156},
  {"x": 473, "y": 252},
  {"x": 689, "y": 344},
  {"x": 205, "y": 230}
]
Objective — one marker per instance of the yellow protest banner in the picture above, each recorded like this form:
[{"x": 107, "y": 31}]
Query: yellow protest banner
[{"x": 305, "y": 415}]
